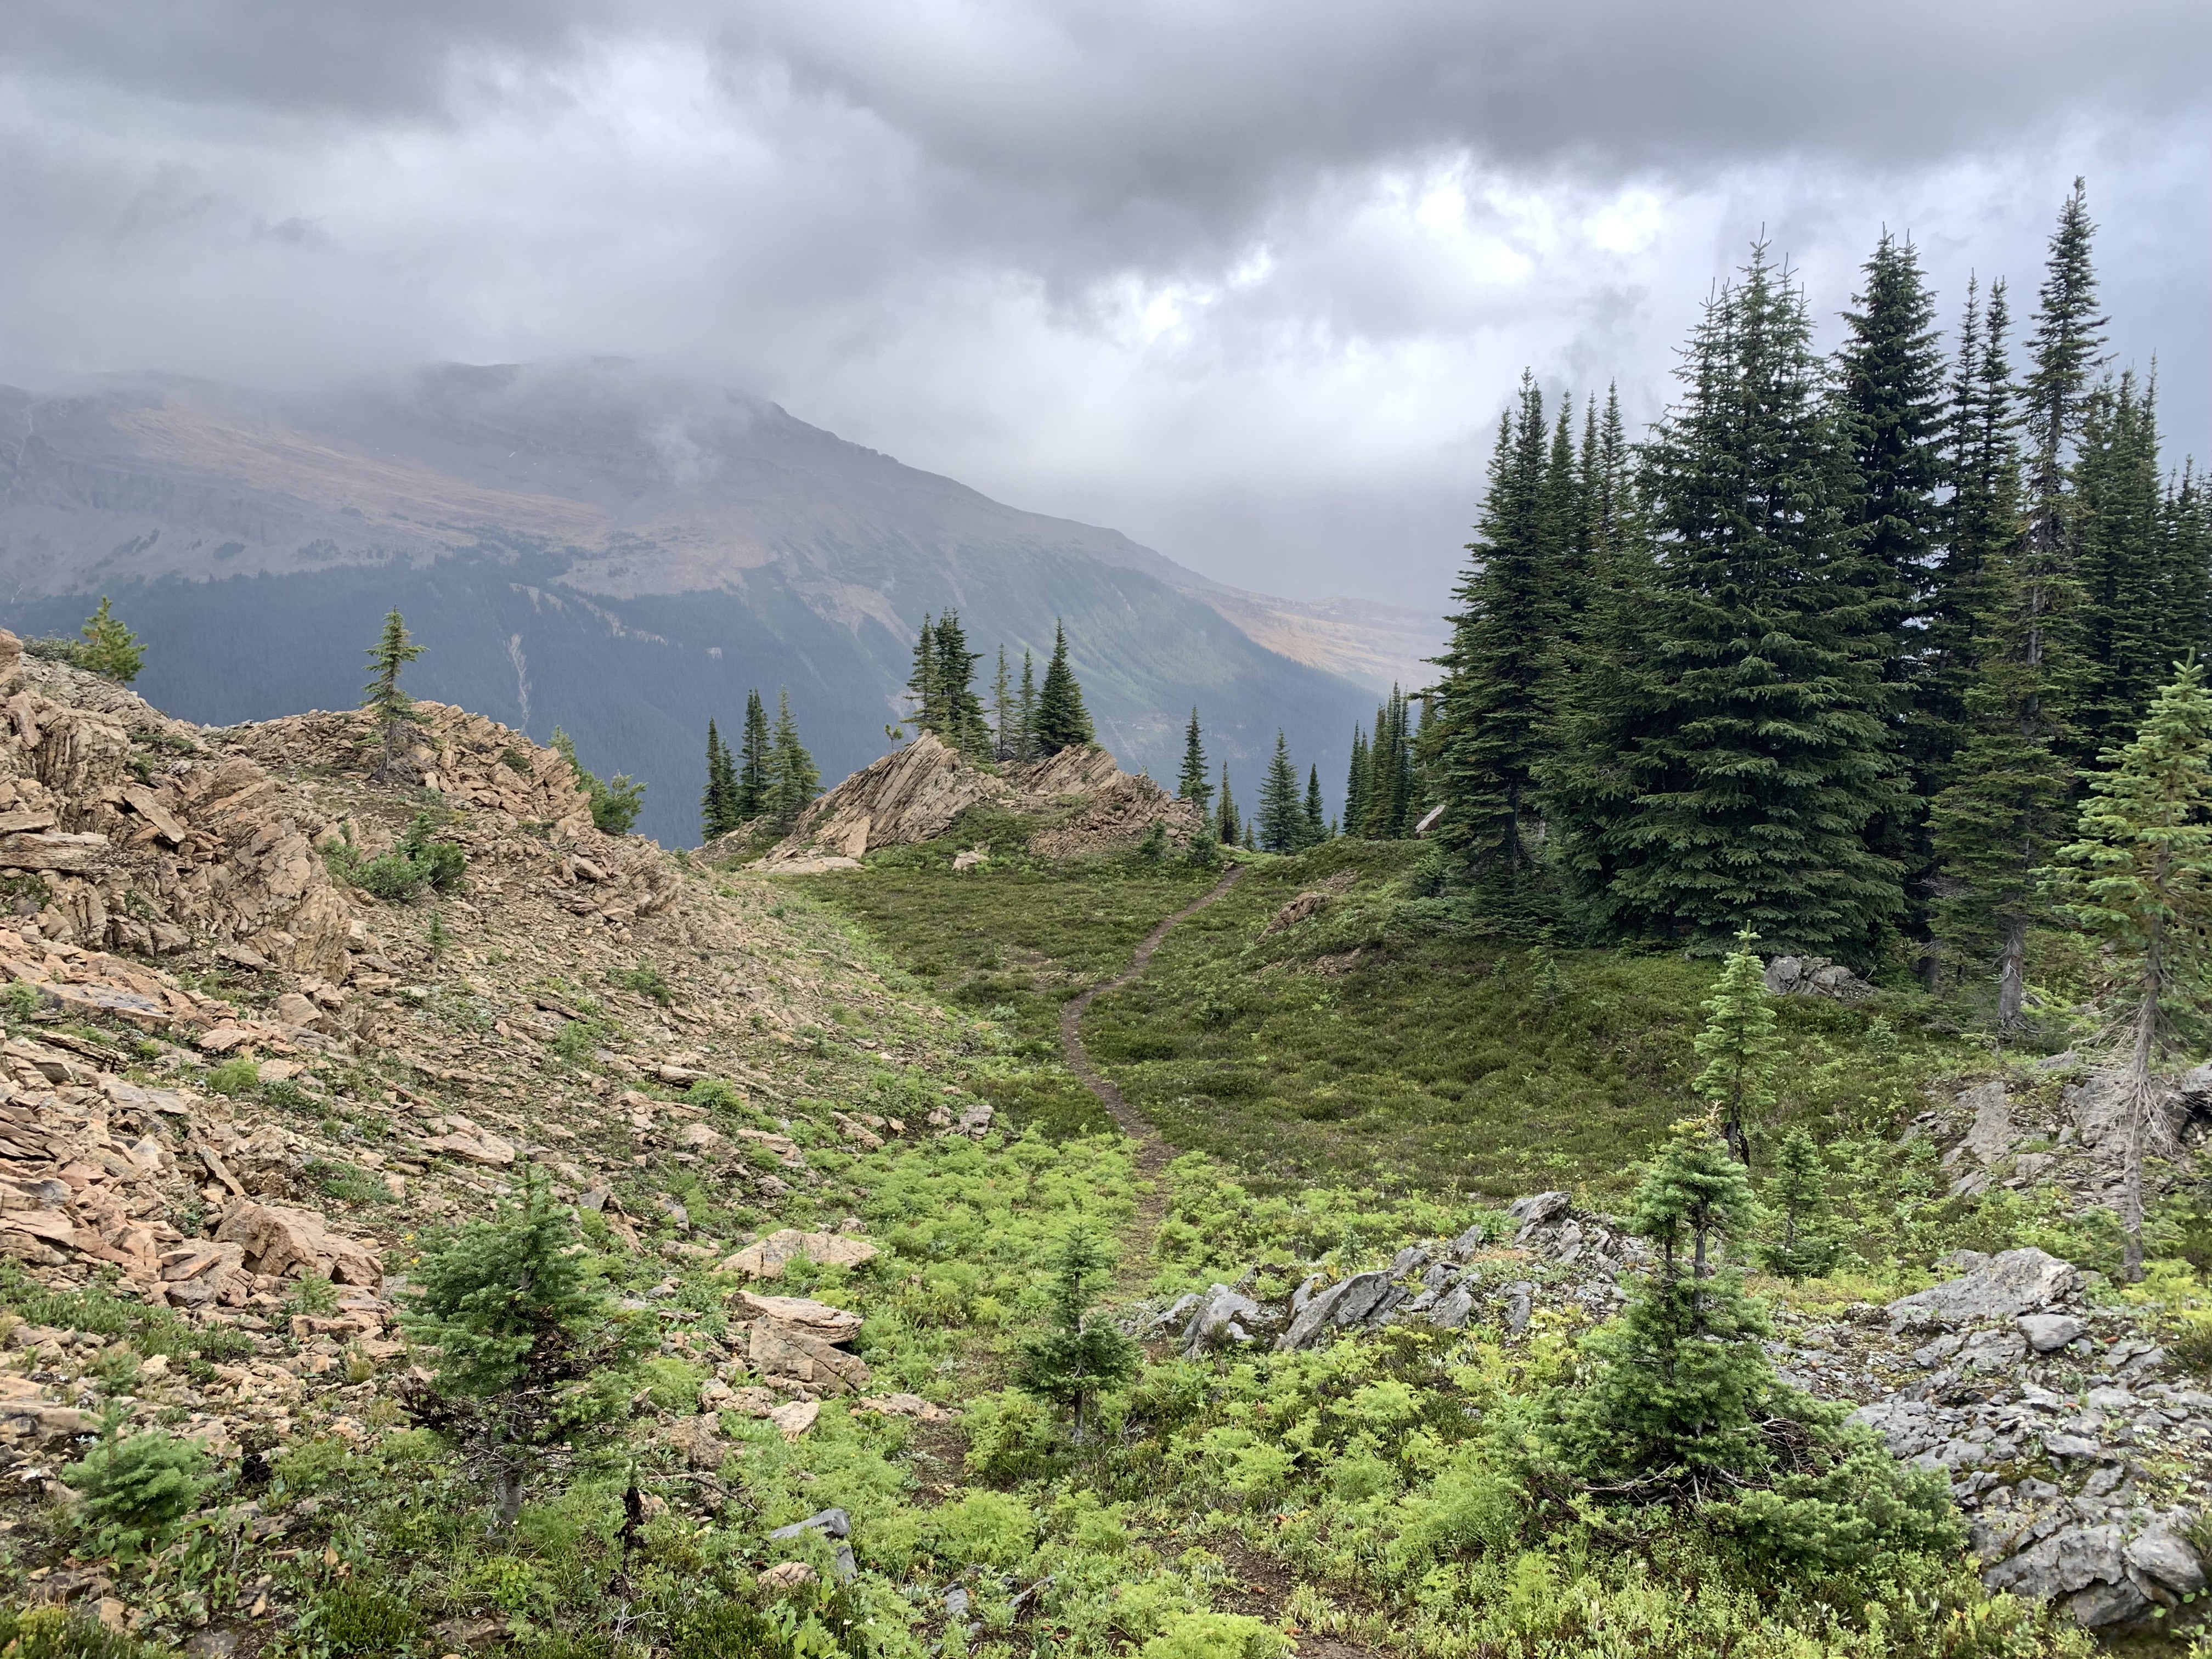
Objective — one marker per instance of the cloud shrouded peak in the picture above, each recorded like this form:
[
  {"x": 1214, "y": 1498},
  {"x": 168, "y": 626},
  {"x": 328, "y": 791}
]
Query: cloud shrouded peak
[{"x": 1248, "y": 281}]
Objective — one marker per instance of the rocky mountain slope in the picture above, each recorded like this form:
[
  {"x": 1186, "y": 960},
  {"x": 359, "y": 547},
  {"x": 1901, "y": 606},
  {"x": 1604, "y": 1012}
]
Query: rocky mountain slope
[
  {"x": 239, "y": 1095},
  {"x": 622, "y": 554}
]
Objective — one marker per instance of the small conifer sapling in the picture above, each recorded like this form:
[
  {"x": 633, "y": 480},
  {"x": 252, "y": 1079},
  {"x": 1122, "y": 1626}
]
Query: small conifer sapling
[
  {"x": 393, "y": 709},
  {"x": 1739, "y": 1046},
  {"x": 1079, "y": 1355}
]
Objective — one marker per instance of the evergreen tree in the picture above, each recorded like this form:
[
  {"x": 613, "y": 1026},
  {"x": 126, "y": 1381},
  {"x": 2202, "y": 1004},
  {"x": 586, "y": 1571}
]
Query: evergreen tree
[
  {"x": 1983, "y": 526},
  {"x": 1025, "y": 713},
  {"x": 1889, "y": 418},
  {"x": 750, "y": 794},
  {"x": 1229, "y": 828},
  {"x": 1798, "y": 1195},
  {"x": 2130, "y": 613},
  {"x": 1282, "y": 816},
  {"x": 792, "y": 780},
  {"x": 2066, "y": 350},
  {"x": 718, "y": 807},
  {"x": 1358, "y": 781},
  {"x": 1315, "y": 829},
  {"x": 1062, "y": 722},
  {"x": 964, "y": 728},
  {"x": 1191, "y": 786},
  {"x": 1889, "y": 415},
  {"x": 1738, "y": 762},
  {"x": 516, "y": 1316},
  {"x": 1497, "y": 683},
  {"x": 110, "y": 649},
  {"x": 1681, "y": 1378},
  {"x": 1079, "y": 1356},
  {"x": 2015, "y": 677},
  {"x": 1739, "y": 1045},
  {"x": 2185, "y": 541},
  {"x": 2141, "y": 878},
  {"x": 1392, "y": 797},
  {"x": 1002, "y": 714},
  {"x": 925, "y": 686},
  {"x": 393, "y": 709},
  {"x": 616, "y": 801}
]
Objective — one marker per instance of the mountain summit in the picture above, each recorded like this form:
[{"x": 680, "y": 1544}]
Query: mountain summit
[{"x": 606, "y": 547}]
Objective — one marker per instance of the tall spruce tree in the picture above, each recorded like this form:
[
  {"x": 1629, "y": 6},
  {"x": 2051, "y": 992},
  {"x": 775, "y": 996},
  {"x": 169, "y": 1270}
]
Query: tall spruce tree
[
  {"x": 1002, "y": 714},
  {"x": 1192, "y": 786},
  {"x": 1739, "y": 765},
  {"x": 1282, "y": 816},
  {"x": 2066, "y": 349},
  {"x": 1358, "y": 779},
  {"x": 1228, "y": 827},
  {"x": 2130, "y": 632},
  {"x": 1392, "y": 789},
  {"x": 1062, "y": 722},
  {"x": 959, "y": 710},
  {"x": 2185, "y": 539},
  {"x": 1496, "y": 688},
  {"x": 718, "y": 806},
  {"x": 750, "y": 797},
  {"x": 1316, "y": 830},
  {"x": 1025, "y": 712},
  {"x": 1890, "y": 412},
  {"x": 924, "y": 685},
  {"x": 2007, "y": 628},
  {"x": 2141, "y": 877},
  {"x": 792, "y": 780}
]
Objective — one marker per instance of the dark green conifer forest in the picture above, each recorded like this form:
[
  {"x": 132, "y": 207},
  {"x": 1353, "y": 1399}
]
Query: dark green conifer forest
[{"x": 1827, "y": 656}]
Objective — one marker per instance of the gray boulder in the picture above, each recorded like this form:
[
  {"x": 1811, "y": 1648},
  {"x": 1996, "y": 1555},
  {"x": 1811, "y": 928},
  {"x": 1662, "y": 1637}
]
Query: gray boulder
[
  {"x": 1351, "y": 1301},
  {"x": 1994, "y": 1287},
  {"x": 1537, "y": 1209},
  {"x": 2048, "y": 1333},
  {"x": 1223, "y": 1314},
  {"x": 1452, "y": 1308},
  {"x": 2166, "y": 1557},
  {"x": 2070, "y": 1559},
  {"x": 2101, "y": 1604}
]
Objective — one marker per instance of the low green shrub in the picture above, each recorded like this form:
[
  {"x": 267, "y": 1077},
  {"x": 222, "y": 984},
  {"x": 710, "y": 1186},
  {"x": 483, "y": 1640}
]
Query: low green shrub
[
  {"x": 138, "y": 1488},
  {"x": 646, "y": 979}
]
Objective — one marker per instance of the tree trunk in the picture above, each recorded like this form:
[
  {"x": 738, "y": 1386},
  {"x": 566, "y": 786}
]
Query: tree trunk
[
  {"x": 508, "y": 1485},
  {"x": 2012, "y": 975},
  {"x": 2141, "y": 1100}
]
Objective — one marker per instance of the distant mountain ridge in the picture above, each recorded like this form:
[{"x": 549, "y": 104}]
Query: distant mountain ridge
[{"x": 606, "y": 547}]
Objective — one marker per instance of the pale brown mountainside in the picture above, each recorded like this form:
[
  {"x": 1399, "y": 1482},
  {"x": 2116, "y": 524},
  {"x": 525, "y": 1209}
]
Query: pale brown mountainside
[{"x": 624, "y": 553}]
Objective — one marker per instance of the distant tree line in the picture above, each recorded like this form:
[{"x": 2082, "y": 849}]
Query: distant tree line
[
  {"x": 1026, "y": 722},
  {"x": 768, "y": 782}
]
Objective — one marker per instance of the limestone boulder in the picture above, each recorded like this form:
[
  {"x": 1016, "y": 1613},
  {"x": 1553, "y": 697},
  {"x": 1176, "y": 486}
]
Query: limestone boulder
[
  {"x": 2002, "y": 1286},
  {"x": 768, "y": 1258},
  {"x": 288, "y": 1243}
]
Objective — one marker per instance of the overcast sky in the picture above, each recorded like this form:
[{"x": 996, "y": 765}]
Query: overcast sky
[{"x": 1248, "y": 279}]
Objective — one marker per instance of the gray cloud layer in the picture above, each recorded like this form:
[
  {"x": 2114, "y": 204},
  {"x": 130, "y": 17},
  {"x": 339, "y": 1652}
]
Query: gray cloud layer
[{"x": 1248, "y": 280}]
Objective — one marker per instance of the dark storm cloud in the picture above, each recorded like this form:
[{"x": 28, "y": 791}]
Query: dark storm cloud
[{"x": 1248, "y": 280}]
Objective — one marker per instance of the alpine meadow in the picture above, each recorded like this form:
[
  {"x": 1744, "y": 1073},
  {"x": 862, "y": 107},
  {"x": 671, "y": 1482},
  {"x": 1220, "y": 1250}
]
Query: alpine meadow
[{"x": 1702, "y": 1151}]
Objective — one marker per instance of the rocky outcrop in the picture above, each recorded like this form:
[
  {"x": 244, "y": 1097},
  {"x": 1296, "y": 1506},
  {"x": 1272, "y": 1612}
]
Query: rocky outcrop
[
  {"x": 916, "y": 794},
  {"x": 2021, "y": 1132},
  {"x": 2048, "y": 1414},
  {"x": 1814, "y": 976}
]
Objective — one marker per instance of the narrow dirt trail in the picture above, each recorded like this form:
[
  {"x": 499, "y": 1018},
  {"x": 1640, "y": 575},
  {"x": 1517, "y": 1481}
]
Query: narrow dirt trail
[{"x": 1152, "y": 1152}]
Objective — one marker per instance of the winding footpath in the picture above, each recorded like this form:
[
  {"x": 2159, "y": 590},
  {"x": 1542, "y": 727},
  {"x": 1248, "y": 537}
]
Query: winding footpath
[{"x": 1152, "y": 1152}]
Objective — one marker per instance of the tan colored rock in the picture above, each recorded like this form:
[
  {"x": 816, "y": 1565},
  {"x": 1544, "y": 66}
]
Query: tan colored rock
[
  {"x": 53, "y": 850},
  {"x": 286, "y": 1242},
  {"x": 911, "y": 794},
  {"x": 787, "y": 1575},
  {"x": 766, "y": 1259},
  {"x": 803, "y": 1313},
  {"x": 905, "y": 1404},
  {"x": 700, "y": 1439},
  {"x": 795, "y": 1419},
  {"x": 477, "y": 1146},
  {"x": 782, "y": 1145},
  {"x": 792, "y": 1357}
]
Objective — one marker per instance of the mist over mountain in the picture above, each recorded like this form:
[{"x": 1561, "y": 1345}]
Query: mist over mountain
[{"x": 623, "y": 553}]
